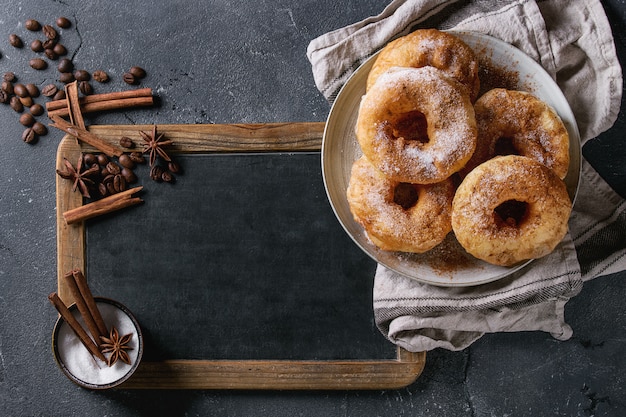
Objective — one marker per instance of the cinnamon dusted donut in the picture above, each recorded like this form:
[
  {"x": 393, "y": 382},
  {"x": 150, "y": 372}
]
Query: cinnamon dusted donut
[
  {"x": 430, "y": 47},
  {"x": 509, "y": 209},
  {"x": 416, "y": 125},
  {"x": 518, "y": 123},
  {"x": 399, "y": 216}
]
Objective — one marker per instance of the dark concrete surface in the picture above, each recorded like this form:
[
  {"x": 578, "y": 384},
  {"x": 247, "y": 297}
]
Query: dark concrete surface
[{"x": 240, "y": 61}]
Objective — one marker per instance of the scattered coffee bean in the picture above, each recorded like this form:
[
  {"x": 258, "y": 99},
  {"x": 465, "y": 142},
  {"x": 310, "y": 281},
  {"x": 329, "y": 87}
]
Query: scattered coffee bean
[
  {"x": 65, "y": 65},
  {"x": 36, "y": 46},
  {"x": 16, "y": 104},
  {"x": 90, "y": 159},
  {"x": 36, "y": 109},
  {"x": 138, "y": 72},
  {"x": 63, "y": 22},
  {"x": 27, "y": 101},
  {"x": 29, "y": 135},
  {"x": 100, "y": 76},
  {"x": 167, "y": 176},
  {"x": 50, "y": 32},
  {"x": 129, "y": 175},
  {"x": 173, "y": 167},
  {"x": 27, "y": 119},
  {"x": 59, "y": 95},
  {"x": 32, "y": 89},
  {"x": 49, "y": 43},
  {"x": 85, "y": 88},
  {"x": 137, "y": 157},
  {"x": 38, "y": 64},
  {"x": 156, "y": 173},
  {"x": 50, "y": 54},
  {"x": 8, "y": 87},
  {"x": 20, "y": 90},
  {"x": 32, "y": 25},
  {"x": 66, "y": 77},
  {"x": 129, "y": 78},
  {"x": 60, "y": 49},
  {"x": 40, "y": 129},
  {"x": 126, "y": 162},
  {"x": 4, "y": 97},
  {"x": 126, "y": 142},
  {"x": 9, "y": 77},
  {"x": 82, "y": 75},
  {"x": 49, "y": 90},
  {"x": 103, "y": 160},
  {"x": 15, "y": 41}
]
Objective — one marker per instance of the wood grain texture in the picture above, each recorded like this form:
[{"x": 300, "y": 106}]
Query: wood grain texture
[{"x": 374, "y": 374}]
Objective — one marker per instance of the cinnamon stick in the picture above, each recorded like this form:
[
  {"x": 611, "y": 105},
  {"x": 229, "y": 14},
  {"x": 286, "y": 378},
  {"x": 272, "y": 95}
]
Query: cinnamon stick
[
  {"x": 75, "y": 326},
  {"x": 73, "y": 105},
  {"x": 105, "y": 101},
  {"x": 86, "y": 136},
  {"x": 85, "y": 312},
  {"x": 86, "y": 294},
  {"x": 103, "y": 206}
]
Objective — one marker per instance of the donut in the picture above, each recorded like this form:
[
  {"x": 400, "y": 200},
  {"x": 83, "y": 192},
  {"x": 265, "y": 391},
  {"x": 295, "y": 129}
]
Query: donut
[
  {"x": 430, "y": 47},
  {"x": 416, "y": 125},
  {"x": 399, "y": 216},
  {"x": 518, "y": 123},
  {"x": 509, "y": 209}
]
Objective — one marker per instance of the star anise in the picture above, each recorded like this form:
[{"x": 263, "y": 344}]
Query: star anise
[
  {"x": 81, "y": 178},
  {"x": 116, "y": 346},
  {"x": 154, "y": 145}
]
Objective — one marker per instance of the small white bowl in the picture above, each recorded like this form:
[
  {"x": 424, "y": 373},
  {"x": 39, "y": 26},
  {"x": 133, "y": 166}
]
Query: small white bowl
[{"x": 77, "y": 363}]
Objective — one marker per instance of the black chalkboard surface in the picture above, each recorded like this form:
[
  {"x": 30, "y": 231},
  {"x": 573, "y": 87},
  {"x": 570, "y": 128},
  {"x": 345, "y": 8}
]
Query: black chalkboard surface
[{"x": 241, "y": 258}]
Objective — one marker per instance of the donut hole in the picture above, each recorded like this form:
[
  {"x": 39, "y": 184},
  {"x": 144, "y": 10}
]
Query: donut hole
[
  {"x": 511, "y": 213},
  {"x": 505, "y": 146},
  {"x": 410, "y": 126},
  {"x": 405, "y": 195}
]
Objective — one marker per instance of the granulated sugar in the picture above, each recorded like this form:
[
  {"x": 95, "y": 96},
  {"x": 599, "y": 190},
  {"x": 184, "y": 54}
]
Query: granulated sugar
[{"x": 80, "y": 363}]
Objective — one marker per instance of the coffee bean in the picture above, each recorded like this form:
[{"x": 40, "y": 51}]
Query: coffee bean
[
  {"x": 27, "y": 101},
  {"x": 36, "y": 46},
  {"x": 63, "y": 22},
  {"x": 129, "y": 175},
  {"x": 49, "y": 90},
  {"x": 129, "y": 78},
  {"x": 156, "y": 173},
  {"x": 50, "y": 32},
  {"x": 113, "y": 168},
  {"x": 126, "y": 142},
  {"x": 9, "y": 77},
  {"x": 100, "y": 76},
  {"x": 16, "y": 104},
  {"x": 36, "y": 109},
  {"x": 32, "y": 25},
  {"x": 85, "y": 88},
  {"x": 51, "y": 54},
  {"x": 38, "y": 64},
  {"x": 20, "y": 90},
  {"x": 82, "y": 75},
  {"x": 15, "y": 41},
  {"x": 66, "y": 77},
  {"x": 29, "y": 135},
  {"x": 167, "y": 176},
  {"x": 65, "y": 65},
  {"x": 138, "y": 72},
  {"x": 4, "y": 97},
  {"x": 90, "y": 159},
  {"x": 137, "y": 157},
  {"x": 60, "y": 49},
  {"x": 8, "y": 87},
  {"x": 49, "y": 43},
  {"x": 32, "y": 89},
  {"x": 173, "y": 167},
  {"x": 126, "y": 162},
  {"x": 103, "y": 160},
  {"x": 119, "y": 183},
  {"x": 27, "y": 119},
  {"x": 60, "y": 95},
  {"x": 40, "y": 129}
]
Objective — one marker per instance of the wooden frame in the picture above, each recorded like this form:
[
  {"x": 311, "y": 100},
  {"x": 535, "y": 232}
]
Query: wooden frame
[{"x": 227, "y": 374}]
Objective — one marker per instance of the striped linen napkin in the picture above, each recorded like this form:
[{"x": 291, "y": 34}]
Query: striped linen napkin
[{"x": 574, "y": 43}]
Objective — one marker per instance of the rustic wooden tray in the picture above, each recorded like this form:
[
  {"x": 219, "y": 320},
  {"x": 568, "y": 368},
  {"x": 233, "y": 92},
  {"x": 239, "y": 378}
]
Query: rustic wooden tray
[{"x": 227, "y": 374}]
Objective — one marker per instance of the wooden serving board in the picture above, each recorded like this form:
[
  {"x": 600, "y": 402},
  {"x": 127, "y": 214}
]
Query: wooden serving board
[{"x": 359, "y": 374}]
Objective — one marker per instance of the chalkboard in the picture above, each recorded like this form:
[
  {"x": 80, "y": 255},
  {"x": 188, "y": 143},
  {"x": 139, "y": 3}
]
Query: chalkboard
[{"x": 241, "y": 257}]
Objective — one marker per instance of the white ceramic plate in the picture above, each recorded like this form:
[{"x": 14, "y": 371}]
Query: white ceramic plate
[{"x": 448, "y": 264}]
